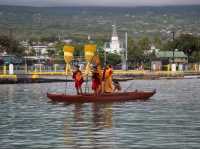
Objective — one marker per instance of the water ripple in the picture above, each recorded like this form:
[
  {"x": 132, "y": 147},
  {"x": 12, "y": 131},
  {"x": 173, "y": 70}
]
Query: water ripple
[{"x": 169, "y": 120}]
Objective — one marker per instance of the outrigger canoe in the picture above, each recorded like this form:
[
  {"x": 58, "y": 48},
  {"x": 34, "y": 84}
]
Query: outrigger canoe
[{"x": 108, "y": 97}]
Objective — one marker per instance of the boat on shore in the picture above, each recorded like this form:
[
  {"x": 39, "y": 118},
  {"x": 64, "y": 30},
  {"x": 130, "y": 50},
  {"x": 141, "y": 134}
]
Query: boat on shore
[{"x": 106, "y": 97}]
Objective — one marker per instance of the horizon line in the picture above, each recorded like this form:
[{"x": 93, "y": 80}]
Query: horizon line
[{"x": 108, "y": 6}]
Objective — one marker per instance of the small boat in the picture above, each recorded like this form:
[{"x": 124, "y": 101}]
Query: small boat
[{"x": 107, "y": 97}]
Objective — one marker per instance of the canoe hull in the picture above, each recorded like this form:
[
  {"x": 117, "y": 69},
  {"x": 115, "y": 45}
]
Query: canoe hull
[{"x": 112, "y": 97}]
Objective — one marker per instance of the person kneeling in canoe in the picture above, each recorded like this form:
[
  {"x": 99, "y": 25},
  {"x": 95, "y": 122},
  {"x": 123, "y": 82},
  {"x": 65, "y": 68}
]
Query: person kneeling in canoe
[
  {"x": 78, "y": 78},
  {"x": 96, "y": 81},
  {"x": 117, "y": 86}
]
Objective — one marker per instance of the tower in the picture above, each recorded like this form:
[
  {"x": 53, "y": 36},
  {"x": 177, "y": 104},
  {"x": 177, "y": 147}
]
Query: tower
[
  {"x": 114, "y": 44},
  {"x": 118, "y": 47}
]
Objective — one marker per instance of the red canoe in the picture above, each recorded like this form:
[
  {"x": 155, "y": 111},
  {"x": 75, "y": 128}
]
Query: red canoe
[{"x": 109, "y": 97}]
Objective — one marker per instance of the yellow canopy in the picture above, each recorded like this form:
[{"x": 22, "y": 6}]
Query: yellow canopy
[
  {"x": 68, "y": 53},
  {"x": 90, "y": 50}
]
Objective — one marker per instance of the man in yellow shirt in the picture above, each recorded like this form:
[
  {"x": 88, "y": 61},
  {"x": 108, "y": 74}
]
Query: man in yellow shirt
[{"x": 108, "y": 87}]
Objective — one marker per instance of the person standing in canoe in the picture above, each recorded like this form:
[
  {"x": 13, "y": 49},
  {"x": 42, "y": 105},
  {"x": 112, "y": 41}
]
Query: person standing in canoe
[
  {"x": 78, "y": 78},
  {"x": 96, "y": 80},
  {"x": 107, "y": 76},
  {"x": 103, "y": 81}
]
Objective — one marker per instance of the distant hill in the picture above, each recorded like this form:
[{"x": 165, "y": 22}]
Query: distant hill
[{"x": 37, "y": 22}]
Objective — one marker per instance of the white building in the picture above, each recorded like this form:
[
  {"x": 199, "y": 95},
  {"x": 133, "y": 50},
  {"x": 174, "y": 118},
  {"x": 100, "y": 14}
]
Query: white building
[
  {"x": 114, "y": 45},
  {"x": 40, "y": 49},
  {"x": 67, "y": 41},
  {"x": 25, "y": 44}
]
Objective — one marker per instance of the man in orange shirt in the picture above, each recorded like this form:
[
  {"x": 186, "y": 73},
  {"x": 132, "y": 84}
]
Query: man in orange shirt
[
  {"x": 96, "y": 80},
  {"x": 78, "y": 78}
]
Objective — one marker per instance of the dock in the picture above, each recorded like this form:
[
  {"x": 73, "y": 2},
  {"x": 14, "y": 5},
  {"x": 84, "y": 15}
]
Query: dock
[{"x": 119, "y": 75}]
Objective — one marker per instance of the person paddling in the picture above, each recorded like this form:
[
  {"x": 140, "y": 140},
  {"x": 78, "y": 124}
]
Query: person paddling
[
  {"x": 78, "y": 78},
  {"x": 117, "y": 86}
]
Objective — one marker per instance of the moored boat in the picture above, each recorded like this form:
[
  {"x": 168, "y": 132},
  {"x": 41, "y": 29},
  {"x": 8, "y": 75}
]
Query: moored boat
[{"x": 107, "y": 97}]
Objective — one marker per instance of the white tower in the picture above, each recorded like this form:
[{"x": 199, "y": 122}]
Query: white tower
[{"x": 114, "y": 46}]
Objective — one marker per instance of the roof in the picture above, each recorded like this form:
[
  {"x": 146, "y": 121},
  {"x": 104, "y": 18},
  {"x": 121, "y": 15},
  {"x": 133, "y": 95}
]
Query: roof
[{"x": 169, "y": 54}]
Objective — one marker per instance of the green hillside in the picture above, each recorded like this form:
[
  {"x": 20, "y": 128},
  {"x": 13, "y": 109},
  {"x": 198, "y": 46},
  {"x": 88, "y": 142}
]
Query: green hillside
[{"x": 37, "y": 22}]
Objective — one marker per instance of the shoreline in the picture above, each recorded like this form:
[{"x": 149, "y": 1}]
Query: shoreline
[{"x": 119, "y": 75}]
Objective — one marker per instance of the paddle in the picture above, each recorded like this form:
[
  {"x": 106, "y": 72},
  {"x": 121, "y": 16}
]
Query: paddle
[
  {"x": 66, "y": 86},
  {"x": 130, "y": 85},
  {"x": 86, "y": 85}
]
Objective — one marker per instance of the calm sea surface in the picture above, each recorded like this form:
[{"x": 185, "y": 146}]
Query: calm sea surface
[{"x": 169, "y": 120}]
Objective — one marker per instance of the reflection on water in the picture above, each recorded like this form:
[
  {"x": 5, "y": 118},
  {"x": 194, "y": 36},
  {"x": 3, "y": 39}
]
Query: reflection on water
[
  {"x": 102, "y": 115},
  {"x": 169, "y": 120},
  {"x": 89, "y": 134}
]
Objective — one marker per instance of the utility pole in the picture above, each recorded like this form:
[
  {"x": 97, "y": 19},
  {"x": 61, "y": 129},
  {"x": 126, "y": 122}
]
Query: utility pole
[
  {"x": 11, "y": 39},
  {"x": 173, "y": 61},
  {"x": 124, "y": 53},
  {"x": 10, "y": 33},
  {"x": 173, "y": 37},
  {"x": 126, "y": 49},
  {"x": 39, "y": 28},
  {"x": 105, "y": 56}
]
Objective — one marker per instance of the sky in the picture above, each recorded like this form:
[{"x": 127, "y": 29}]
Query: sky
[{"x": 99, "y": 2}]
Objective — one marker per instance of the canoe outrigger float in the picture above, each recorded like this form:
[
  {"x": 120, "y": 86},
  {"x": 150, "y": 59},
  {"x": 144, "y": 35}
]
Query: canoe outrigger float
[{"x": 107, "y": 97}]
